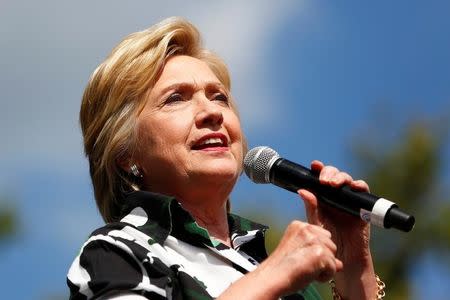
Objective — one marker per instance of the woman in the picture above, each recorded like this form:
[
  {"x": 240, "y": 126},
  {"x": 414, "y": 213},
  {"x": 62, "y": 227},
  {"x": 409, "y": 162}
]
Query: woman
[{"x": 165, "y": 148}]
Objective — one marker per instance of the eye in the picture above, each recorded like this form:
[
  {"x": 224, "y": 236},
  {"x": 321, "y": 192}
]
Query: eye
[
  {"x": 221, "y": 97},
  {"x": 174, "y": 97}
]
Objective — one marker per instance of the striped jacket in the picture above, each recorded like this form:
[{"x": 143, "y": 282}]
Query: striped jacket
[{"x": 157, "y": 250}]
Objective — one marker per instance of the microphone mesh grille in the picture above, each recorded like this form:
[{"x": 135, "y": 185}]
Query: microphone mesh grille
[{"x": 257, "y": 163}]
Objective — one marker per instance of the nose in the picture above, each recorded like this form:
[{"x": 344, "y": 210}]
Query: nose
[{"x": 208, "y": 113}]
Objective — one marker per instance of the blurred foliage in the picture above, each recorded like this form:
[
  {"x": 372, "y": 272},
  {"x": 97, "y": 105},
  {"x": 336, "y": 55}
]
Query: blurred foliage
[
  {"x": 8, "y": 220},
  {"x": 7, "y": 223},
  {"x": 408, "y": 168}
]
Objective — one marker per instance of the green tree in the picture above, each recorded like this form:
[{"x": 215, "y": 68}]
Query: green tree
[
  {"x": 409, "y": 169},
  {"x": 8, "y": 221}
]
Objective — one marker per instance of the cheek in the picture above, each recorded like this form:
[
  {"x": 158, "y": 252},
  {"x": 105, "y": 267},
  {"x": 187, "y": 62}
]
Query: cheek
[
  {"x": 146, "y": 142},
  {"x": 235, "y": 132},
  {"x": 156, "y": 146},
  {"x": 234, "y": 126},
  {"x": 161, "y": 133}
]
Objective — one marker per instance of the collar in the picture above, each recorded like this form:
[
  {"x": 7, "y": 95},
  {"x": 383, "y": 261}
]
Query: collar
[{"x": 159, "y": 215}]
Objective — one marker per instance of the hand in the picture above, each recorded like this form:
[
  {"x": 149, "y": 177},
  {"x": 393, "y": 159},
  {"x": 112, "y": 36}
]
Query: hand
[
  {"x": 334, "y": 244},
  {"x": 350, "y": 233},
  {"x": 305, "y": 254}
]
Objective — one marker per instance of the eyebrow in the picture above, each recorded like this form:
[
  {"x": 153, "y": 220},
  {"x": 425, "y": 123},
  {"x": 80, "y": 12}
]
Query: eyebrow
[{"x": 182, "y": 85}]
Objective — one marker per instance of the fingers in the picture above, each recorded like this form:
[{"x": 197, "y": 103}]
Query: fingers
[
  {"x": 311, "y": 252},
  {"x": 329, "y": 269},
  {"x": 332, "y": 176},
  {"x": 305, "y": 254},
  {"x": 305, "y": 235},
  {"x": 360, "y": 185},
  {"x": 336, "y": 178},
  {"x": 320, "y": 250},
  {"x": 317, "y": 166},
  {"x": 311, "y": 203}
]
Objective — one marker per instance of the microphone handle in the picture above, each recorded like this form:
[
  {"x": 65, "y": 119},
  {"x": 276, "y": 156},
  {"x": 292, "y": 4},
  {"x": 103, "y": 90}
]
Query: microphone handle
[{"x": 368, "y": 207}]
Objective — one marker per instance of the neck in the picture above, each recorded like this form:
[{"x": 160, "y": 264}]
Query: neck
[
  {"x": 208, "y": 207},
  {"x": 206, "y": 204},
  {"x": 213, "y": 219}
]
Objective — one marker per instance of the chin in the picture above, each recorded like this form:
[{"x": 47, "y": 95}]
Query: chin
[{"x": 221, "y": 171}]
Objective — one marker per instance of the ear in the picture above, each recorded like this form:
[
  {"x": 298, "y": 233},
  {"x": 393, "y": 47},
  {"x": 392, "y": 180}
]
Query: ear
[{"x": 124, "y": 162}]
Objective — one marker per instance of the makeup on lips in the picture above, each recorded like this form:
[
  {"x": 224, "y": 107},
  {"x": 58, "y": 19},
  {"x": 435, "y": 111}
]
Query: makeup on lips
[{"x": 211, "y": 142}]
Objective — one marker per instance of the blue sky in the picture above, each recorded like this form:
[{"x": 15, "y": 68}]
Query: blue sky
[{"x": 307, "y": 75}]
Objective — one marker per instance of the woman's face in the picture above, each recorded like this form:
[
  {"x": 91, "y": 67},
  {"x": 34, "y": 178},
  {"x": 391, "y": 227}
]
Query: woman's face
[{"x": 188, "y": 133}]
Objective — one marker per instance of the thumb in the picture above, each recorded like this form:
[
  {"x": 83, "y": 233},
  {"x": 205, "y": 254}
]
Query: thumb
[{"x": 311, "y": 206}]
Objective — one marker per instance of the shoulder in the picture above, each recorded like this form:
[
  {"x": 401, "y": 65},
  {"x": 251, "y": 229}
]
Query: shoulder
[
  {"x": 109, "y": 244},
  {"x": 115, "y": 257},
  {"x": 114, "y": 237}
]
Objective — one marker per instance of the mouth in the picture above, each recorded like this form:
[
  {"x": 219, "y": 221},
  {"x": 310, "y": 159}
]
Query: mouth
[{"x": 214, "y": 141}]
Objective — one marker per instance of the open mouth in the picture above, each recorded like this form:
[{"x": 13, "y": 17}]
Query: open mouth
[{"x": 211, "y": 142}]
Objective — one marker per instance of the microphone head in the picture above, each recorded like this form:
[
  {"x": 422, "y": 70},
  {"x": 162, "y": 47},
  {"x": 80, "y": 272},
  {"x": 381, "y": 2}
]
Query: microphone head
[{"x": 258, "y": 162}]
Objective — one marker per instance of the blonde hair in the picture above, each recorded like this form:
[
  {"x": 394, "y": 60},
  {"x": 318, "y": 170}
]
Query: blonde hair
[{"x": 115, "y": 95}]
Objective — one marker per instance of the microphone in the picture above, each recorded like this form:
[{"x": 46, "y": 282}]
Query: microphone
[{"x": 263, "y": 165}]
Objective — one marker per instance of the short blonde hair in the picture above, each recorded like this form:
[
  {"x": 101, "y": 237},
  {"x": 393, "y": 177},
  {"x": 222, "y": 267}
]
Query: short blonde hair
[{"x": 115, "y": 95}]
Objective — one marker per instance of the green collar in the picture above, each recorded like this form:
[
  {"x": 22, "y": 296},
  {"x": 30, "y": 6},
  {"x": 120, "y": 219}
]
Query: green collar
[{"x": 162, "y": 215}]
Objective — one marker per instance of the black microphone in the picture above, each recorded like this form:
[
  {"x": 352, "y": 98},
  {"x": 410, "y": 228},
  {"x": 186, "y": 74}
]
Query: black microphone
[{"x": 264, "y": 165}]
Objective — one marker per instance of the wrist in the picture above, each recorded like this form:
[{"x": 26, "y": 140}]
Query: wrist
[
  {"x": 273, "y": 287},
  {"x": 357, "y": 280},
  {"x": 379, "y": 294},
  {"x": 354, "y": 248},
  {"x": 250, "y": 287}
]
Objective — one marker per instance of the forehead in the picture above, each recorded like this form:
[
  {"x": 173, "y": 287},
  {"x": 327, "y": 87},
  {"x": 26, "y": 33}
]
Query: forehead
[{"x": 185, "y": 69}]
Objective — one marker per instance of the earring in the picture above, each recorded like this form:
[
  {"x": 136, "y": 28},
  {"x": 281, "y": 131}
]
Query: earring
[{"x": 135, "y": 171}]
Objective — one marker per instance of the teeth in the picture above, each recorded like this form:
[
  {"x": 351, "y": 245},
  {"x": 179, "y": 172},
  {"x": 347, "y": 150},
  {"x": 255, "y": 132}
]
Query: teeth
[{"x": 212, "y": 141}]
